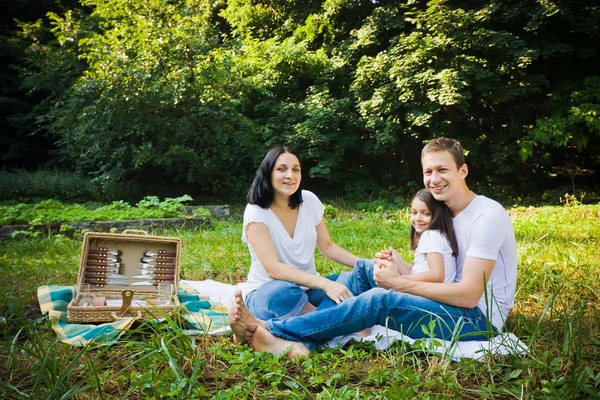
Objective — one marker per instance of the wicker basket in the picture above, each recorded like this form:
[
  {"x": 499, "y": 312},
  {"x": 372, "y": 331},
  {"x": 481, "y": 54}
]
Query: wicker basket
[{"x": 133, "y": 244}]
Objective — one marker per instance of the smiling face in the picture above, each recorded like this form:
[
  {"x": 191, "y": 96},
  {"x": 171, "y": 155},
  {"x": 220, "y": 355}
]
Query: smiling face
[
  {"x": 441, "y": 175},
  {"x": 286, "y": 175},
  {"x": 420, "y": 216}
]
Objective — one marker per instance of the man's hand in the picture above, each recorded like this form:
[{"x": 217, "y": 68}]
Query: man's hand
[
  {"x": 388, "y": 276},
  {"x": 385, "y": 274}
]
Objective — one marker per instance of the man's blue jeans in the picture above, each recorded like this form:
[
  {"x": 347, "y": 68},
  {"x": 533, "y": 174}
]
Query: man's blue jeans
[
  {"x": 283, "y": 299},
  {"x": 375, "y": 306}
]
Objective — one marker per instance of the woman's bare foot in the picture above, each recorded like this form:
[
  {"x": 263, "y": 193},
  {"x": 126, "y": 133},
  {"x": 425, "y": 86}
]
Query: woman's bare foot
[
  {"x": 239, "y": 317},
  {"x": 263, "y": 340}
]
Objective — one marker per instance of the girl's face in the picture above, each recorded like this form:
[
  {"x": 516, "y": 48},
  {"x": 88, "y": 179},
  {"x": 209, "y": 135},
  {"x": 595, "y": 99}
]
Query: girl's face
[
  {"x": 420, "y": 216},
  {"x": 286, "y": 175}
]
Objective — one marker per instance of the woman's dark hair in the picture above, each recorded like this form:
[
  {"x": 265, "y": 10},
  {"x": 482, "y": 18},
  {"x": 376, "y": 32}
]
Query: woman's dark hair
[
  {"x": 261, "y": 190},
  {"x": 440, "y": 220}
]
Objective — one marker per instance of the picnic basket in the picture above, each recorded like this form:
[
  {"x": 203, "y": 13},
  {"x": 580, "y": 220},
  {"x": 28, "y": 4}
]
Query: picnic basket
[{"x": 135, "y": 292}]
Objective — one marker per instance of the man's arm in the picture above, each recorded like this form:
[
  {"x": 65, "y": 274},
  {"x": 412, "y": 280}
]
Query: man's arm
[{"x": 465, "y": 293}]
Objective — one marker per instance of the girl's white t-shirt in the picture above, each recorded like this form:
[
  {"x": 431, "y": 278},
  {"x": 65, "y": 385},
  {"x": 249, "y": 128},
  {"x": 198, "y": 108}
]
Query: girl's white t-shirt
[
  {"x": 432, "y": 241},
  {"x": 298, "y": 252}
]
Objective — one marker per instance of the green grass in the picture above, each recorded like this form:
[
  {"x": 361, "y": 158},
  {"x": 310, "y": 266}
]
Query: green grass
[{"x": 556, "y": 313}]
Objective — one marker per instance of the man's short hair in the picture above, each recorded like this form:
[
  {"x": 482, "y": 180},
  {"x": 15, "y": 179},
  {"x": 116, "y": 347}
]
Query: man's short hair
[{"x": 450, "y": 145}]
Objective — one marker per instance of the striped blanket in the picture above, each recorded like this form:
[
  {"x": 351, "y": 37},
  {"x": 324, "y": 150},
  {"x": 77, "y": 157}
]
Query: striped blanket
[{"x": 200, "y": 314}]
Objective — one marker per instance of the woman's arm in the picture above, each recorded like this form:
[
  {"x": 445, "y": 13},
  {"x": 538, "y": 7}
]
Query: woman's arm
[
  {"x": 262, "y": 243},
  {"x": 331, "y": 250}
]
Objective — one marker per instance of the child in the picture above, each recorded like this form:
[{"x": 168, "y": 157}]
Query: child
[{"x": 433, "y": 240}]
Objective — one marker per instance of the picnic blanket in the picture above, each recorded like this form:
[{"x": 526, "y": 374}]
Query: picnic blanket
[
  {"x": 201, "y": 315},
  {"x": 204, "y": 308},
  {"x": 503, "y": 344}
]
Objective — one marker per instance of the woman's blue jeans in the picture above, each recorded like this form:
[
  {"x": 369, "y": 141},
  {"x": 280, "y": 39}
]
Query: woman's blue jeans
[
  {"x": 371, "y": 305},
  {"x": 283, "y": 299}
]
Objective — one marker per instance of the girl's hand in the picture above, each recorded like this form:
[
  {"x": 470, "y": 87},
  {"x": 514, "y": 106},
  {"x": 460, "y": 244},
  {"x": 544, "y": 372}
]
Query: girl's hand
[
  {"x": 385, "y": 254},
  {"x": 336, "y": 291},
  {"x": 393, "y": 257}
]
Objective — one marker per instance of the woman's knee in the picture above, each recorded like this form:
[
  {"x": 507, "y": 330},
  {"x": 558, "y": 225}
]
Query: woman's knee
[
  {"x": 363, "y": 263},
  {"x": 277, "y": 299}
]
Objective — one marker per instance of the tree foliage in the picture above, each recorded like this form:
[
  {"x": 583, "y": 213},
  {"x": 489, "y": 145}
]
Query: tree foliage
[{"x": 194, "y": 91}]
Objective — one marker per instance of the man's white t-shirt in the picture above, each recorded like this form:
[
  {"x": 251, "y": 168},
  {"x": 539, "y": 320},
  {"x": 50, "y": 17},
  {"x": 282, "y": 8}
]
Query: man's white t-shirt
[
  {"x": 432, "y": 241},
  {"x": 484, "y": 230},
  {"x": 298, "y": 252}
]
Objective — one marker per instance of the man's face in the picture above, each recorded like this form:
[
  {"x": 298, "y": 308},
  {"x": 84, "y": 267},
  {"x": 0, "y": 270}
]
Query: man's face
[{"x": 441, "y": 175}]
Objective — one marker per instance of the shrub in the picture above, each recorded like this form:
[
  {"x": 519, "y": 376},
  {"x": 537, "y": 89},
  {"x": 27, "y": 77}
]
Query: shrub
[
  {"x": 63, "y": 185},
  {"x": 53, "y": 211}
]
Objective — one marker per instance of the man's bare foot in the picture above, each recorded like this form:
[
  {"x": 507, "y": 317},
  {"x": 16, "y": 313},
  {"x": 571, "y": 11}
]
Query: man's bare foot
[
  {"x": 263, "y": 340},
  {"x": 239, "y": 317},
  {"x": 364, "y": 333},
  {"x": 307, "y": 308}
]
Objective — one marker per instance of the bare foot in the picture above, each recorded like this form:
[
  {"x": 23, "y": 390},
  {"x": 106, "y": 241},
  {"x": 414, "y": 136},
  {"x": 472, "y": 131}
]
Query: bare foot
[
  {"x": 307, "y": 308},
  {"x": 263, "y": 340},
  {"x": 364, "y": 333},
  {"x": 239, "y": 317}
]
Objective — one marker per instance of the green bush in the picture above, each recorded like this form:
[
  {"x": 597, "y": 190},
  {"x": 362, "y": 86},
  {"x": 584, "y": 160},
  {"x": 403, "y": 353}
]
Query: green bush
[
  {"x": 66, "y": 186},
  {"x": 53, "y": 211}
]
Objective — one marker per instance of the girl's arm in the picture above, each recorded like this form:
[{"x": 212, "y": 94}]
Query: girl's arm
[
  {"x": 435, "y": 261},
  {"x": 331, "y": 250},
  {"x": 436, "y": 270},
  {"x": 262, "y": 243}
]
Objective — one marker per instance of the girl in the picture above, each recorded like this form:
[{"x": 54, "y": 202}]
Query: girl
[
  {"x": 433, "y": 240},
  {"x": 282, "y": 226}
]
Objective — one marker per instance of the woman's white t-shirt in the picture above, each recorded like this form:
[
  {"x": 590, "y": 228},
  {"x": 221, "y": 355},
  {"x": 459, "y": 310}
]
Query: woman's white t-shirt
[
  {"x": 432, "y": 241},
  {"x": 298, "y": 252}
]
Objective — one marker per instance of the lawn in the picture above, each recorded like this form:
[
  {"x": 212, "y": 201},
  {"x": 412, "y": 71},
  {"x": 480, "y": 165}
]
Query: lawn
[{"x": 557, "y": 313}]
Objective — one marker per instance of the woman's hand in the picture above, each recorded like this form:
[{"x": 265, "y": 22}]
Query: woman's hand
[{"x": 336, "y": 291}]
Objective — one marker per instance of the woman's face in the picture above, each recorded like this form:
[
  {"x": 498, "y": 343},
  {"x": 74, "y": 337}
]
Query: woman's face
[{"x": 286, "y": 175}]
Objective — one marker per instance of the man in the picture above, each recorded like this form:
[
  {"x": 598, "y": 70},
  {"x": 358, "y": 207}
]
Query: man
[{"x": 473, "y": 307}]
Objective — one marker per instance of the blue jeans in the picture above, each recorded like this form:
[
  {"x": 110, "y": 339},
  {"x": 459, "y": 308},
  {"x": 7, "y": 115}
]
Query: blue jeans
[
  {"x": 371, "y": 305},
  {"x": 283, "y": 299}
]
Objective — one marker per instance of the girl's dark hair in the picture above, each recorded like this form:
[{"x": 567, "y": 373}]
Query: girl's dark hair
[
  {"x": 440, "y": 220},
  {"x": 261, "y": 190}
]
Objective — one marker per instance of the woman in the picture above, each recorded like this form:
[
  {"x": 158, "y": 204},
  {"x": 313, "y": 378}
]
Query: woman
[{"x": 282, "y": 226}]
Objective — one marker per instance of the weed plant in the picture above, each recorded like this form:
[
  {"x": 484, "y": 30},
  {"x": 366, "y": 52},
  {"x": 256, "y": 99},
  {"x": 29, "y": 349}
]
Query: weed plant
[{"x": 556, "y": 313}]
